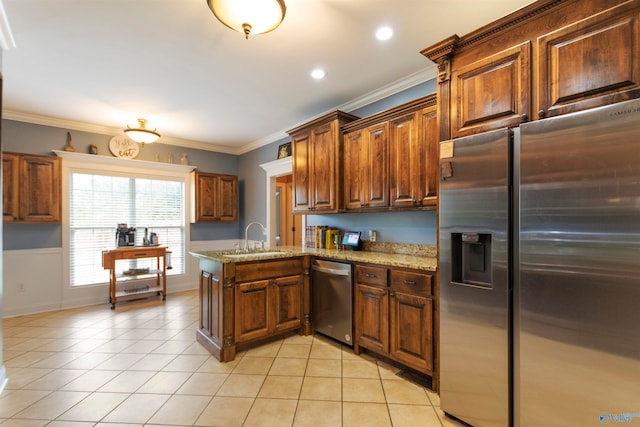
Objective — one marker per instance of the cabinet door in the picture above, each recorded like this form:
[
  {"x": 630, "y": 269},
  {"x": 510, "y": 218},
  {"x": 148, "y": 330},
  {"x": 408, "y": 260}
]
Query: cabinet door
[
  {"x": 372, "y": 317},
  {"x": 354, "y": 175},
  {"x": 206, "y": 197},
  {"x": 215, "y": 197},
  {"x": 10, "y": 188},
  {"x": 227, "y": 204},
  {"x": 206, "y": 302},
  {"x": 590, "y": 63},
  {"x": 491, "y": 93},
  {"x": 376, "y": 186},
  {"x": 301, "y": 164},
  {"x": 426, "y": 164},
  {"x": 252, "y": 310},
  {"x": 288, "y": 302},
  {"x": 411, "y": 329},
  {"x": 39, "y": 189},
  {"x": 323, "y": 175},
  {"x": 403, "y": 142}
]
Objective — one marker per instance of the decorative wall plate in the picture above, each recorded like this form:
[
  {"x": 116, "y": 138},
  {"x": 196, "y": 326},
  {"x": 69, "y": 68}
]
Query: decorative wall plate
[{"x": 123, "y": 147}]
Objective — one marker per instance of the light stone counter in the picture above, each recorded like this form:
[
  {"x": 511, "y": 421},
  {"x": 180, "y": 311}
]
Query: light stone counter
[{"x": 420, "y": 257}]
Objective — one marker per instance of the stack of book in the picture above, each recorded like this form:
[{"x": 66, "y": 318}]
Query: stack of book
[{"x": 321, "y": 237}]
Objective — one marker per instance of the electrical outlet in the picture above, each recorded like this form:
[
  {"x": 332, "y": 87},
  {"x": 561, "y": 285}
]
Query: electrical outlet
[{"x": 20, "y": 287}]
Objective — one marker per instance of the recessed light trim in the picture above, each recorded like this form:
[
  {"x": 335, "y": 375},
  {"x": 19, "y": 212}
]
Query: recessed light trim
[
  {"x": 384, "y": 33},
  {"x": 318, "y": 74}
]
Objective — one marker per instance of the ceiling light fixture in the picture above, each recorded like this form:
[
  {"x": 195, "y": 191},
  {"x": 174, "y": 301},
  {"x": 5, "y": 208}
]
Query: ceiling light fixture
[
  {"x": 249, "y": 16},
  {"x": 142, "y": 134},
  {"x": 318, "y": 74},
  {"x": 384, "y": 33}
]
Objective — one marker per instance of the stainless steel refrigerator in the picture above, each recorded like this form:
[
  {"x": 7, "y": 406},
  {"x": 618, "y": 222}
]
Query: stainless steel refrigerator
[{"x": 540, "y": 272}]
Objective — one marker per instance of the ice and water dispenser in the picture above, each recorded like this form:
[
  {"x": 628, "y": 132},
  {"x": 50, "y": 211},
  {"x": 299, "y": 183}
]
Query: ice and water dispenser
[{"x": 471, "y": 259}]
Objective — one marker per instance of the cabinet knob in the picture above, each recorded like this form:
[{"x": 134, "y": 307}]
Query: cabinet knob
[
  {"x": 409, "y": 282},
  {"x": 369, "y": 275},
  {"x": 542, "y": 114},
  {"x": 524, "y": 118}
]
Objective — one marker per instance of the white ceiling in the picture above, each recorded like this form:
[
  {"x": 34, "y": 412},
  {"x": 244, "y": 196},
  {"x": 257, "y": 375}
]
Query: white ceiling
[{"x": 98, "y": 65}]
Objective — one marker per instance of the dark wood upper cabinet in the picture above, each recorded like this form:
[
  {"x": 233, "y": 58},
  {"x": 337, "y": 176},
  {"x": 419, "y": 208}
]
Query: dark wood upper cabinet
[
  {"x": 214, "y": 197},
  {"x": 31, "y": 188},
  {"x": 491, "y": 93},
  {"x": 549, "y": 58},
  {"x": 366, "y": 167},
  {"x": 590, "y": 63},
  {"x": 10, "y": 187},
  {"x": 391, "y": 158},
  {"x": 317, "y": 164}
]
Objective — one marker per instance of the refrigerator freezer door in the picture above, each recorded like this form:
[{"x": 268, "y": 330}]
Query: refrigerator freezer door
[
  {"x": 578, "y": 323},
  {"x": 474, "y": 278}
]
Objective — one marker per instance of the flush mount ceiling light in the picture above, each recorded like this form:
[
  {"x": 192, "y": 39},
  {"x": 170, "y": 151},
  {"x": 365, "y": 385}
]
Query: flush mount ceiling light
[
  {"x": 142, "y": 134},
  {"x": 249, "y": 16},
  {"x": 318, "y": 74},
  {"x": 384, "y": 33}
]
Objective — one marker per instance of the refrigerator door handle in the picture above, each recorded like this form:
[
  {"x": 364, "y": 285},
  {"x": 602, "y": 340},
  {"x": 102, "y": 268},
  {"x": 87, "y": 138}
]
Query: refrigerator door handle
[{"x": 477, "y": 285}]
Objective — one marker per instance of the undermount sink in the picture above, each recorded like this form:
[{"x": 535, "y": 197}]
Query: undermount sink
[{"x": 254, "y": 254}]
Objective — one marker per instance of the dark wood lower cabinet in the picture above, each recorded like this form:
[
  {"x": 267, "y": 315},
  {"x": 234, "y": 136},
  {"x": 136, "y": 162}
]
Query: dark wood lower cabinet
[
  {"x": 251, "y": 316},
  {"x": 411, "y": 324},
  {"x": 287, "y": 292},
  {"x": 371, "y": 318},
  {"x": 242, "y": 303},
  {"x": 265, "y": 307},
  {"x": 394, "y": 315}
]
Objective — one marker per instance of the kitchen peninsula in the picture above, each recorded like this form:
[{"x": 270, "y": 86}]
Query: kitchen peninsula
[{"x": 247, "y": 298}]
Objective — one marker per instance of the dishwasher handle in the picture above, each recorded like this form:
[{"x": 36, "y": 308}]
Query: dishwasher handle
[{"x": 331, "y": 270}]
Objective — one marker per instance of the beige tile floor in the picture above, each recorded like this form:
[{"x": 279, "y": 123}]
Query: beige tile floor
[{"x": 139, "y": 365}]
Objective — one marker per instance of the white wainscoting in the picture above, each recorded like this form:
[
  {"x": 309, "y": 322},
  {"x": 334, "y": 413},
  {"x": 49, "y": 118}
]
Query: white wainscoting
[{"x": 33, "y": 280}]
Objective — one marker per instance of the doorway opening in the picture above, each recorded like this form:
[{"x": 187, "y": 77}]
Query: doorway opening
[
  {"x": 274, "y": 170},
  {"x": 288, "y": 225}
]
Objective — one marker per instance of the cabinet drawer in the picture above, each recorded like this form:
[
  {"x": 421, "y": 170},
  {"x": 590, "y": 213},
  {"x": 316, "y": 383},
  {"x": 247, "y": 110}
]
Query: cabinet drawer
[
  {"x": 260, "y": 270},
  {"x": 415, "y": 283},
  {"x": 371, "y": 275}
]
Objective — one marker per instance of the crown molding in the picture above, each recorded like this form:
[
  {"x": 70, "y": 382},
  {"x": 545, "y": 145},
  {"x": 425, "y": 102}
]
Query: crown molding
[
  {"x": 278, "y": 167},
  {"x": 414, "y": 79},
  {"x": 410, "y": 81},
  {"x": 21, "y": 116},
  {"x": 6, "y": 37},
  {"x": 82, "y": 159}
]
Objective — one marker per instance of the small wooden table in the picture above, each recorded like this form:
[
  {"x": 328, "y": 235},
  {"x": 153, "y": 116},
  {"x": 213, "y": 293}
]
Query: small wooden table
[{"x": 157, "y": 276}]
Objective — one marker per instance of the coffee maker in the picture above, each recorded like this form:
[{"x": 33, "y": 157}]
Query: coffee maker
[{"x": 125, "y": 236}]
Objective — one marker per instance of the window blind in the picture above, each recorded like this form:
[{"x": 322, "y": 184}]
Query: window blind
[{"x": 98, "y": 203}]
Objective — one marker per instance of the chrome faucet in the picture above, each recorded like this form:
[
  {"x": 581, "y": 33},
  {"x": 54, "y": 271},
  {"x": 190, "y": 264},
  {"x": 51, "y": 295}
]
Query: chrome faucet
[{"x": 246, "y": 233}]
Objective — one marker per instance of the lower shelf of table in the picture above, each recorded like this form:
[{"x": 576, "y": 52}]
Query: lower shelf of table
[{"x": 138, "y": 292}]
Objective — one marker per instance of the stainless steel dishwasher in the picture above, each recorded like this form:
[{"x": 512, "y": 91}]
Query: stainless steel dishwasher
[{"x": 332, "y": 286}]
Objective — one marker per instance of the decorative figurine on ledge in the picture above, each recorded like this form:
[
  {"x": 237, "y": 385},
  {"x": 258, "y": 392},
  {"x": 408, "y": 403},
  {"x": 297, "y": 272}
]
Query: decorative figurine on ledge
[{"x": 69, "y": 147}]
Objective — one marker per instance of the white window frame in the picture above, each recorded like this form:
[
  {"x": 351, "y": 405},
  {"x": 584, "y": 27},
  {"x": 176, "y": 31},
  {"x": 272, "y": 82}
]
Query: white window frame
[{"x": 90, "y": 164}]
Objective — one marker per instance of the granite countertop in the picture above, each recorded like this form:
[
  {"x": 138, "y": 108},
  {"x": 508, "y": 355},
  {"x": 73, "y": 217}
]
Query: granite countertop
[{"x": 418, "y": 257}]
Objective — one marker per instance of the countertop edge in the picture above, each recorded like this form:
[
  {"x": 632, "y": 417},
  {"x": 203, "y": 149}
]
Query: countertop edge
[{"x": 379, "y": 258}]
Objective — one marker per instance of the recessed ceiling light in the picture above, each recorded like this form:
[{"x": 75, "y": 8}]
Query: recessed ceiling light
[
  {"x": 384, "y": 33},
  {"x": 318, "y": 74}
]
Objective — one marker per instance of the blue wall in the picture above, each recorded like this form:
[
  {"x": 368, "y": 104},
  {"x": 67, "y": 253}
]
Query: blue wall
[
  {"x": 405, "y": 227},
  {"x": 30, "y": 138},
  {"x": 399, "y": 227},
  {"x": 417, "y": 227}
]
